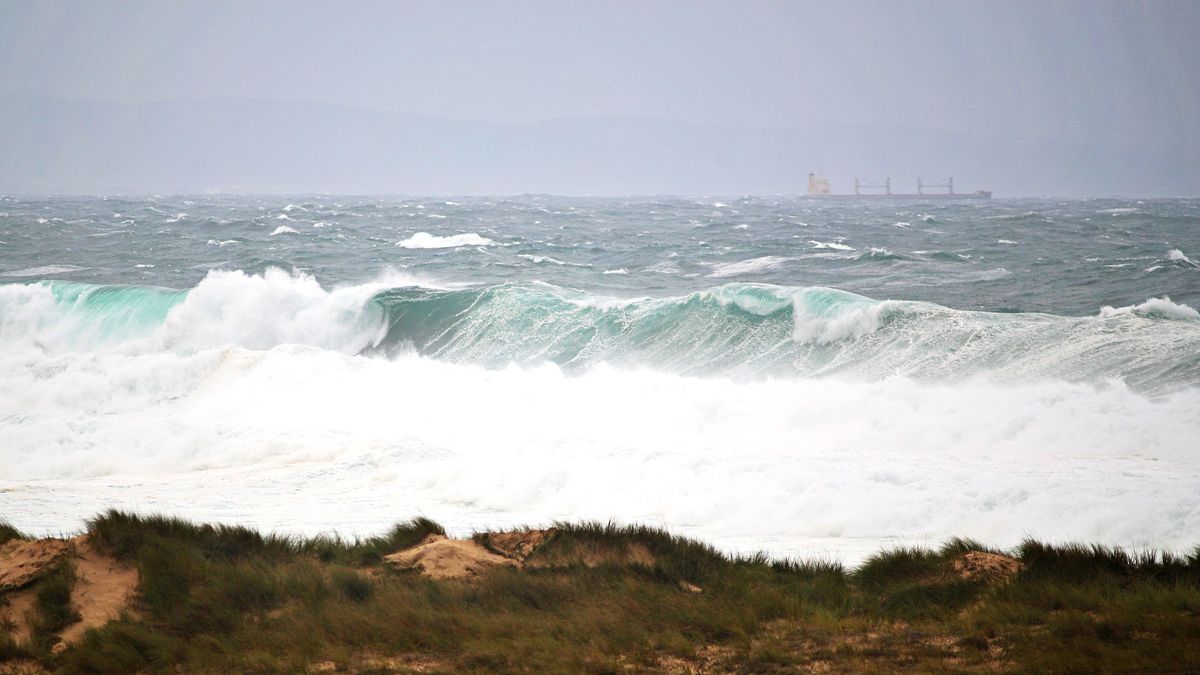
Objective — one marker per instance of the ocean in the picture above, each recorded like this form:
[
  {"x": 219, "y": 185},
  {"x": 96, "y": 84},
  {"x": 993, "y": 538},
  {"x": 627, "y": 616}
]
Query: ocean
[{"x": 803, "y": 377}]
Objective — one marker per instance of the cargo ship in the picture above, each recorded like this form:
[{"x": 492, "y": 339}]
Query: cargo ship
[{"x": 818, "y": 186}]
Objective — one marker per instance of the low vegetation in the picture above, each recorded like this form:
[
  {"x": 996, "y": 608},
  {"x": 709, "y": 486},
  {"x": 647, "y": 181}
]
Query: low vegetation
[{"x": 606, "y": 598}]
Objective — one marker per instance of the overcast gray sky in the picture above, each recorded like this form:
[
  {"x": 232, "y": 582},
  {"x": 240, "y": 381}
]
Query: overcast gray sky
[{"x": 1123, "y": 74}]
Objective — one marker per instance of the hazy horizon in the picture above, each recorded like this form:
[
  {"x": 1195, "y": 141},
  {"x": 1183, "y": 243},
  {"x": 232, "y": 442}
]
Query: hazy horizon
[{"x": 1056, "y": 99}]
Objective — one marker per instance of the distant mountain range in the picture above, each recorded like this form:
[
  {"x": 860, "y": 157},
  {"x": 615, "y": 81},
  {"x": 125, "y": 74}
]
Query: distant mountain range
[{"x": 74, "y": 146}]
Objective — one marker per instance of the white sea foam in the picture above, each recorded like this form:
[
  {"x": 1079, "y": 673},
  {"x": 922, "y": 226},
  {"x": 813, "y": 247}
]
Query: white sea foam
[
  {"x": 42, "y": 271},
  {"x": 221, "y": 433},
  {"x": 1006, "y": 241},
  {"x": 620, "y": 270},
  {"x": 832, "y": 245},
  {"x": 426, "y": 240},
  {"x": 538, "y": 259},
  {"x": 1177, "y": 256},
  {"x": 1159, "y": 308},
  {"x": 663, "y": 267},
  {"x": 284, "y": 229},
  {"x": 760, "y": 264}
]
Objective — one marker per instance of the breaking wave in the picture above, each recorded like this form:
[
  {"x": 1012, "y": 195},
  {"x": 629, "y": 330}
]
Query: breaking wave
[{"x": 733, "y": 329}]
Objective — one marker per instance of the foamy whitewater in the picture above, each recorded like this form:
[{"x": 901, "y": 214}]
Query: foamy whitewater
[{"x": 795, "y": 376}]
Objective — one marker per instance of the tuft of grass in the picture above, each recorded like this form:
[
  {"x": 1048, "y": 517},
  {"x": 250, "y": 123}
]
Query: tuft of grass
[
  {"x": 9, "y": 649},
  {"x": 899, "y": 566},
  {"x": 54, "y": 611},
  {"x": 1080, "y": 563},
  {"x": 121, "y": 647},
  {"x": 370, "y": 551},
  {"x": 9, "y": 533},
  {"x": 352, "y": 585},
  {"x": 675, "y": 558},
  {"x": 124, "y": 534}
]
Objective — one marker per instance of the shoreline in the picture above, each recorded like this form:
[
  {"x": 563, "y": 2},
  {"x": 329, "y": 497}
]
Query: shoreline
[{"x": 148, "y": 593}]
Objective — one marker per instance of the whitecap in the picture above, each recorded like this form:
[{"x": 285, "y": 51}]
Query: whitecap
[
  {"x": 834, "y": 245},
  {"x": 426, "y": 240},
  {"x": 751, "y": 266},
  {"x": 1177, "y": 256},
  {"x": 1157, "y": 308}
]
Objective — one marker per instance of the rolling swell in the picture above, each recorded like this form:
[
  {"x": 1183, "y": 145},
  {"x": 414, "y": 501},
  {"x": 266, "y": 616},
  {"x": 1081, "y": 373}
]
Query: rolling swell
[{"x": 743, "y": 330}]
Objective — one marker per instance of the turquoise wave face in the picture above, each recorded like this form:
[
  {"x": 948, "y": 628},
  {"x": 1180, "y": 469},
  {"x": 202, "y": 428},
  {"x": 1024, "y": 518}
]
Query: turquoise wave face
[
  {"x": 698, "y": 333},
  {"x": 108, "y": 314},
  {"x": 749, "y": 329},
  {"x": 741, "y": 330}
]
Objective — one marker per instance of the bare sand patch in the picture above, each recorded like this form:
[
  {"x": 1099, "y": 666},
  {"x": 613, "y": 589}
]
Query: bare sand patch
[
  {"x": 441, "y": 558},
  {"x": 103, "y": 589},
  {"x": 103, "y": 586},
  {"x": 22, "y": 562}
]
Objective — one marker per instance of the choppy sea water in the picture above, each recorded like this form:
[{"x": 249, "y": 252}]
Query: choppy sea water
[{"x": 812, "y": 378}]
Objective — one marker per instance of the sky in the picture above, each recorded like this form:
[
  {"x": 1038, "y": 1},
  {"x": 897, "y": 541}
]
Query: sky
[{"x": 1120, "y": 77}]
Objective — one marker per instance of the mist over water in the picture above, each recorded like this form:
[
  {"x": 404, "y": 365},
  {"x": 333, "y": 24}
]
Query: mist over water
[{"x": 795, "y": 375}]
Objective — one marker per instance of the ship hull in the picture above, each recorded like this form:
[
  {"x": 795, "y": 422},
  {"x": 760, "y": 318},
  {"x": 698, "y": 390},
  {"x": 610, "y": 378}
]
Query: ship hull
[{"x": 983, "y": 194}]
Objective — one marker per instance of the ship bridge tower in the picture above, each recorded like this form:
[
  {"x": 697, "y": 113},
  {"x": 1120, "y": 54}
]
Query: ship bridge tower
[{"x": 818, "y": 184}]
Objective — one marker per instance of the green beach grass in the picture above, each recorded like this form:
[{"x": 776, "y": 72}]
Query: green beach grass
[{"x": 229, "y": 599}]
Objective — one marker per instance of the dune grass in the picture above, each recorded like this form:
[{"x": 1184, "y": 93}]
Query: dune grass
[
  {"x": 8, "y": 532},
  {"x": 219, "y": 598}
]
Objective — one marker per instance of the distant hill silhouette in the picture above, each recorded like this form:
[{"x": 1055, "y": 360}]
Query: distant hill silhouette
[{"x": 73, "y": 146}]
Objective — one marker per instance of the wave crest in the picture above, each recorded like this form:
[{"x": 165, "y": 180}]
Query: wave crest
[
  {"x": 732, "y": 329},
  {"x": 1155, "y": 308}
]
